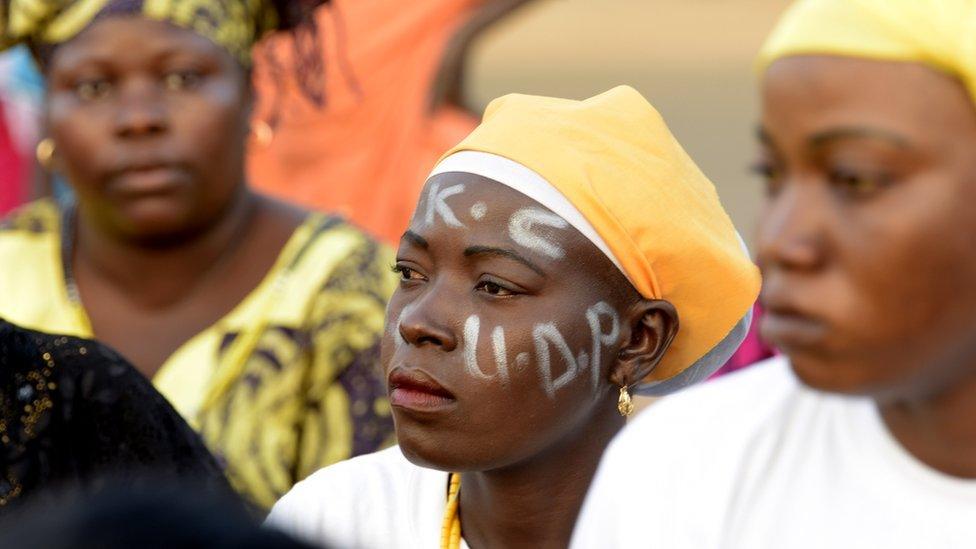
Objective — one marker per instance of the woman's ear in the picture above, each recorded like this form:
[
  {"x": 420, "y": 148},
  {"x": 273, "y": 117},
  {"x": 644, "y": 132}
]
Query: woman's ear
[{"x": 652, "y": 326}]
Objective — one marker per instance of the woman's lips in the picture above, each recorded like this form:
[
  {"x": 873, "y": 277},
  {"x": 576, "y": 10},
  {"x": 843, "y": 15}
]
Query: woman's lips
[
  {"x": 788, "y": 328},
  {"x": 147, "y": 180},
  {"x": 415, "y": 390}
]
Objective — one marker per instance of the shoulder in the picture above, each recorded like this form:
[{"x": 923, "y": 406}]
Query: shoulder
[
  {"x": 29, "y": 234},
  {"x": 31, "y": 279},
  {"x": 723, "y": 417},
  {"x": 739, "y": 401},
  {"x": 387, "y": 466},
  {"x": 30, "y": 229},
  {"x": 684, "y": 457},
  {"x": 36, "y": 218},
  {"x": 329, "y": 267},
  {"x": 352, "y": 258},
  {"x": 367, "y": 496}
]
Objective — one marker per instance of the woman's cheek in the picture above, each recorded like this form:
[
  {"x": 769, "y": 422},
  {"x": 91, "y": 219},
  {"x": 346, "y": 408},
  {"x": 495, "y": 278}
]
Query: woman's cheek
[{"x": 548, "y": 354}]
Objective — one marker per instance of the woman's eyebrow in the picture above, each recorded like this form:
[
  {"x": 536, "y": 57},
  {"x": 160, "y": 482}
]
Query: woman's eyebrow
[
  {"x": 511, "y": 254},
  {"x": 826, "y": 137},
  {"x": 415, "y": 239}
]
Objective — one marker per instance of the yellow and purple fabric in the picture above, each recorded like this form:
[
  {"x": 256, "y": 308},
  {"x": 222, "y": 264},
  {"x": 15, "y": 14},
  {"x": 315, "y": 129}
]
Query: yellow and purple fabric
[
  {"x": 938, "y": 33},
  {"x": 611, "y": 168},
  {"x": 236, "y": 25}
]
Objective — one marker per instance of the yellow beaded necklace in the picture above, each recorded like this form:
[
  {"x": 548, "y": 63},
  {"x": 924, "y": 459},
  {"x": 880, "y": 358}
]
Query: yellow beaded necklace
[{"x": 451, "y": 527}]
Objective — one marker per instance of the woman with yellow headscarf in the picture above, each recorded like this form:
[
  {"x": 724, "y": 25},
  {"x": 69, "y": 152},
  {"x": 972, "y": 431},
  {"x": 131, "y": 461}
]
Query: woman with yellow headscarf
[
  {"x": 563, "y": 256},
  {"x": 864, "y": 433},
  {"x": 258, "y": 321}
]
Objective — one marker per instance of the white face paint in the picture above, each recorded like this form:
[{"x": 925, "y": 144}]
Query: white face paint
[
  {"x": 397, "y": 336},
  {"x": 583, "y": 360},
  {"x": 593, "y": 316},
  {"x": 472, "y": 327},
  {"x": 394, "y": 327},
  {"x": 436, "y": 204},
  {"x": 520, "y": 227},
  {"x": 548, "y": 334},
  {"x": 501, "y": 357},
  {"x": 545, "y": 335},
  {"x": 478, "y": 210}
]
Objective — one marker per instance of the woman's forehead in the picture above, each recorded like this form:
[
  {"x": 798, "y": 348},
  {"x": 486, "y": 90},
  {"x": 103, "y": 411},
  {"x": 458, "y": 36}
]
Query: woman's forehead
[
  {"x": 117, "y": 39},
  {"x": 468, "y": 187},
  {"x": 465, "y": 207},
  {"x": 468, "y": 201},
  {"x": 814, "y": 92}
]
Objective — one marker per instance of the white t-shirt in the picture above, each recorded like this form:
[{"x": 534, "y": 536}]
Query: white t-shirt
[
  {"x": 376, "y": 501},
  {"x": 758, "y": 461}
]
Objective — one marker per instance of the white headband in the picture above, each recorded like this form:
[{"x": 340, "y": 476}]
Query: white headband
[{"x": 531, "y": 184}]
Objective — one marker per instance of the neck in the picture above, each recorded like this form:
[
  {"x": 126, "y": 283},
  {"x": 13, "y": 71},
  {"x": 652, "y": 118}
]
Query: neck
[
  {"x": 939, "y": 429},
  {"x": 535, "y": 503},
  {"x": 156, "y": 274}
]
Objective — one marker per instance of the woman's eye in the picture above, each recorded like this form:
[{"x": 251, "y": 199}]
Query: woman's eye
[
  {"x": 406, "y": 273},
  {"x": 93, "y": 90},
  {"x": 492, "y": 288},
  {"x": 857, "y": 183},
  {"x": 770, "y": 174},
  {"x": 182, "y": 80}
]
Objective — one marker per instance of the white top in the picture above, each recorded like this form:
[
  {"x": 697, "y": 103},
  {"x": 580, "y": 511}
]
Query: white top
[
  {"x": 758, "y": 461},
  {"x": 376, "y": 501}
]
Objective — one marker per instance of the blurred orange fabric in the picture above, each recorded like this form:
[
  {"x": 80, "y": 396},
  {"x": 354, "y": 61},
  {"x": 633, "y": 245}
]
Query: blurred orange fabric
[{"x": 366, "y": 152}]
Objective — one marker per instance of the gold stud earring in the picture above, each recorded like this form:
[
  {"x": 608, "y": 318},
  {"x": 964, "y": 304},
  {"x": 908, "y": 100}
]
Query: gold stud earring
[
  {"x": 263, "y": 132},
  {"x": 624, "y": 405},
  {"x": 45, "y": 152}
]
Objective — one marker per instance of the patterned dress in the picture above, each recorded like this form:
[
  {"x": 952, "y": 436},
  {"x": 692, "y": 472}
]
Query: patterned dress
[{"x": 286, "y": 383}]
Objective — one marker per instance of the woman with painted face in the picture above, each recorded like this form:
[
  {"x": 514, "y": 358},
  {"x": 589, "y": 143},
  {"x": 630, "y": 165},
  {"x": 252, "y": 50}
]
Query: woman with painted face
[
  {"x": 865, "y": 434},
  {"x": 562, "y": 256},
  {"x": 260, "y": 322}
]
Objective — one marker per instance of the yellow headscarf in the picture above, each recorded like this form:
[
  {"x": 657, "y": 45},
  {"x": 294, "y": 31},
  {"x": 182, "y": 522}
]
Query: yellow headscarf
[
  {"x": 614, "y": 159},
  {"x": 937, "y": 33},
  {"x": 233, "y": 24}
]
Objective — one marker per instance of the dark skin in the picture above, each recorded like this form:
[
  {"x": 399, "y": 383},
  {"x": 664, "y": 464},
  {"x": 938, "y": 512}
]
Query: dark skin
[
  {"x": 150, "y": 123},
  {"x": 526, "y": 458},
  {"x": 866, "y": 242}
]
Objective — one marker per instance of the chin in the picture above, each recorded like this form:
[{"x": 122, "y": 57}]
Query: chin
[
  {"x": 839, "y": 376},
  {"x": 428, "y": 451},
  {"x": 449, "y": 452},
  {"x": 160, "y": 226}
]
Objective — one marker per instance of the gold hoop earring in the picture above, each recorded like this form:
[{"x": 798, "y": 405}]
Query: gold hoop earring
[
  {"x": 45, "y": 152},
  {"x": 263, "y": 132},
  {"x": 624, "y": 405}
]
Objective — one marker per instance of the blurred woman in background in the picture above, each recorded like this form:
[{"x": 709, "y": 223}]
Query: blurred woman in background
[
  {"x": 864, "y": 435},
  {"x": 259, "y": 321}
]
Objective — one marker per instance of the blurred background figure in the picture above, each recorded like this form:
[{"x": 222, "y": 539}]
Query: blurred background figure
[
  {"x": 158, "y": 514},
  {"x": 864, "y": 433},
  {"x": 359, "y": 134},
  {"x": 73, "y": 411},
  {"x": 260, "y": 322}
]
